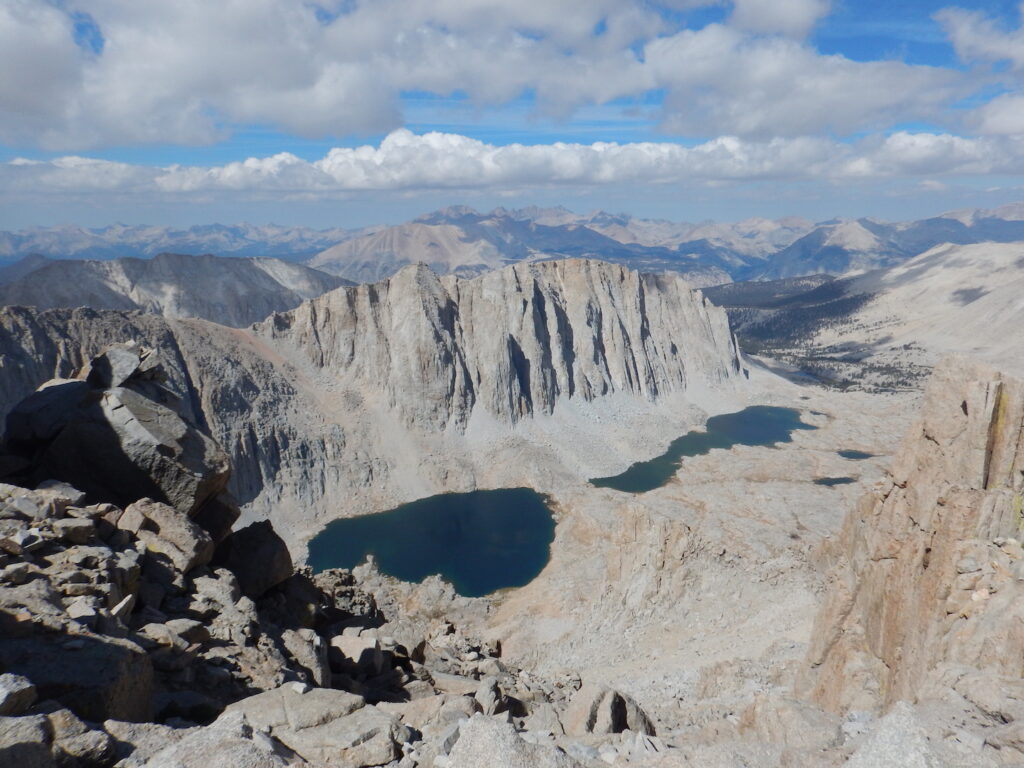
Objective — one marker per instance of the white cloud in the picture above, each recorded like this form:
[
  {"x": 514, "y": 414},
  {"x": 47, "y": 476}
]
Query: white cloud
[
  {"x": 977, "y": 37},
  {"x": 1004, "y": 115},
  {"x": 190, "y": 71},
  {"x": 41, "y": 68},
  {"x": 981, "y": 40},
  {"x": 722, "y": 79},
  {"x": 405, "y": 162},
  {"x": 926, "y": 154},
  {"x": 788, "y": 17}
]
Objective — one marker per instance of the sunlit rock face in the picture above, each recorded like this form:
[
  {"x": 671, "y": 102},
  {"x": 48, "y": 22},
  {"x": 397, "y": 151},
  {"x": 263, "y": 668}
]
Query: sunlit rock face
[
  {"x": 378, "y": 394},
  {"x": 925, "y": 593}
]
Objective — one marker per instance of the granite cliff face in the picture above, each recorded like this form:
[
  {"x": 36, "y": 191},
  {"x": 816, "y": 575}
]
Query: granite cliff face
[
  {"x": 411, "y": 386},
  {"x": 511, "y": 343},
  {"x": 925, "y": 600}
]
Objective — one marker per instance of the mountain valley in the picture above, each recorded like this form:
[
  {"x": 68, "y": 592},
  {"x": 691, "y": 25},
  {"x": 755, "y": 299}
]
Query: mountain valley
[{"x": 726, "y": 616}]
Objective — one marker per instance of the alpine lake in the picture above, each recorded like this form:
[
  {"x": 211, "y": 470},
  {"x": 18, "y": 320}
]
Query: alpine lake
[{"x": 488, "y": 540}]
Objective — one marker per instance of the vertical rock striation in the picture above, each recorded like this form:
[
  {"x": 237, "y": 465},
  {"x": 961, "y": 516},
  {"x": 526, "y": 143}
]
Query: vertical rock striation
[
  {"x": 926, "y": 592},
  {"x": 371, "y": 389},
  {"x": 512, "y": 342}
]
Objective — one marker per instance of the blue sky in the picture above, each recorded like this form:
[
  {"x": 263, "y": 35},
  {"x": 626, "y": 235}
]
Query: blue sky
[{"x": 346, "y": 112}]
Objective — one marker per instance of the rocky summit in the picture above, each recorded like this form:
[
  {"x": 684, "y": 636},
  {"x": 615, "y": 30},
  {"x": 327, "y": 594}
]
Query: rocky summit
[
  {"x": 150, "y": 634},
  {"x": 839, "y": 597}
]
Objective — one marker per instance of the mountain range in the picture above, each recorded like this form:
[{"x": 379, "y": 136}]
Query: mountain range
[
  {"x": 466, "y": 242},
  {"x": 229, "y": 291},
  {"x": 888, "y": 327},
  {"x": 119, "y": 240}
]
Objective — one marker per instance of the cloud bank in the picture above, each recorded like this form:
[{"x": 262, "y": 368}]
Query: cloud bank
[
  {"x": 100, "y": 73},
  {"x": 408, "y": 162}
]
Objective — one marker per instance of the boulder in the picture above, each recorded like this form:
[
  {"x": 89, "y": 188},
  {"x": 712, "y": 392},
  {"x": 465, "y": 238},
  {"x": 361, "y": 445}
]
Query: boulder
[
  {"x": 26, "y": 742},
  {"x": 217, "y": 516},
  {"x": 368, "y": 736},
  {"x": 257, "y": 556},
  {"x": 94, "y": 676},
  {"x": 136, "y": 743},
  {"x": 309, "y": 651},
  {"x": 483, "y": 741},
  {"x": 168, "y": 531},
  {"x": 75, "y": 743},
  {"x": 229, "y": 742},
  {"x": 16, "y": 694},
  {"x": 544, "y": 717},
  {"x": 490, "y": 698},
  {"x": 40, "y": 417},
  {"x": 597, "y": 709},
  {"x": 362, "y": 652},
  {"x": 114, "y": 366},
  {"x": 115, "y": 437},
  {"x": 120, "y": 446},
  {"x": 457, "y": 684},
  {"x": 325, "y": 725},
  {"x": 74, "y": 530},
  {"x": 294, "y": 706},
  {"x": 431, "y": 710}
]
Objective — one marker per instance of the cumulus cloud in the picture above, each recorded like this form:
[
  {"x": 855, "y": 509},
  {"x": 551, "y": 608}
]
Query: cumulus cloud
[
  {"x": 190, "y": 71},
  {"x": 42, "y": 68},
  {"x": 977, "y": 37},
  {"x": 788, "y": 17},
  {"x": 1004, "y": 115},
  {"x": 407, "y": 162},
  {"x": 719, "y": 77}
]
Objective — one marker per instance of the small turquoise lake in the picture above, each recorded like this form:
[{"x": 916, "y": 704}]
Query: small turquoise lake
[
  {"x": 756, "y": 425},
  {"x": 480, "y": 542}
]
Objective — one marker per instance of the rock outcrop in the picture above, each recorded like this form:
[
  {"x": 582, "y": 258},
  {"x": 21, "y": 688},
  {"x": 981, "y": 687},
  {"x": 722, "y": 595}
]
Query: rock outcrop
[
  {"x": 128, "y": 637},
  {"x": 334, "y": 399},
  {"x": 114, "y": 434},
  {"x": 925, "y": 600},
  {"x": 513, "y": 342},
  {"x": 121, "y": 649}
]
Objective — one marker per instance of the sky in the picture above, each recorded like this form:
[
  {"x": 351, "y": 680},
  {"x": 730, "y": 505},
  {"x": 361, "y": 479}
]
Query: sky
[{"x": 346, "y": 113}]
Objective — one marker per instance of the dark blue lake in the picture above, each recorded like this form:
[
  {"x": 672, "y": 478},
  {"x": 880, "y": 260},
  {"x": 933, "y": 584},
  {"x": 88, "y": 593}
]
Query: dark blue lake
[
  {"x": 480, "y": 541},
  {"x": 756, "y": 425},
  {"x": 856, "y": 455},
  {"x": 833, "y": 481}
]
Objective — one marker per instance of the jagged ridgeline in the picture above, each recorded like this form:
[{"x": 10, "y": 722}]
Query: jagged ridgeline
[{"x": 359, "y": 390}]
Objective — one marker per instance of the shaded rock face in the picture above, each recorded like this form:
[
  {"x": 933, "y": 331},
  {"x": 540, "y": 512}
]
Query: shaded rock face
[
  {"x": 114, "y": 436},
  {"x": 926, "y": 593},
  {"x": 235, "y": 291},
  {"x": 257, "y": 556},
  {"x": 96, "y": 677}
]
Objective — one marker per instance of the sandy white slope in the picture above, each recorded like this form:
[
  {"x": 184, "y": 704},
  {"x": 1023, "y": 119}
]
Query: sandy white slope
[{"x": 966, "y": 299}]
